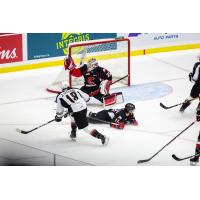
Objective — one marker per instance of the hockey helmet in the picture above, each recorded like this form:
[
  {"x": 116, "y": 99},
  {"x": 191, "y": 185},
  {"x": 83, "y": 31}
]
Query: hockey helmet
[
  {"x": 92, "y": 64},
  {"x": 129, "y": 107}
]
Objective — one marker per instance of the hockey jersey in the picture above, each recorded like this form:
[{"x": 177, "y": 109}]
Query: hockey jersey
[
  {"x": 93, "y": 77},
  {"x": 119, "y": 115},
  {"x": 196, "y": 72},
  {"x": 73, "y": 99}
]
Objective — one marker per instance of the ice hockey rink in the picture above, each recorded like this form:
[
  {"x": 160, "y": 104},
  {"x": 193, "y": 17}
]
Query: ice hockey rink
[{"x": 155, "y": 78}]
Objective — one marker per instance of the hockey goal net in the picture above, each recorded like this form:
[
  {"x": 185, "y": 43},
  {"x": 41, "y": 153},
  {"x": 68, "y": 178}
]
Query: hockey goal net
[{"x": 112, "y": 54}]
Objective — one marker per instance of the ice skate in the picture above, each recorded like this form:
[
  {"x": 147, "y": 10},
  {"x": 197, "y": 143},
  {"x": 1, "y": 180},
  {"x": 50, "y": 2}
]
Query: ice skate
[
  {"x": 104, "y": 140},
  {"x": 73, "y": 135},
  {"x": 194, "y": 161}
]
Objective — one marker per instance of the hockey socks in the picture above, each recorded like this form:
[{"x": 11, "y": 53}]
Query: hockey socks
[{"x": 96, "y": 134}]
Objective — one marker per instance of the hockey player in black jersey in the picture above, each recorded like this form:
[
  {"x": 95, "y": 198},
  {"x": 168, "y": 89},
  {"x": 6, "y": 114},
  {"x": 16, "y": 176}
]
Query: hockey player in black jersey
[
  {"x": 116, "y": 117},
  {"x": 194, "y": 76},
  {"x": 195, "y": 160},
  {"x": 74, "y": 101},
  {"x": 97, "y": 79}
]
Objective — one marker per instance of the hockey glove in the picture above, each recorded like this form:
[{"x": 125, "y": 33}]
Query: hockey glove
[
  {"x": 134, "y": 122},
  {"x": 190, "y": 77},
  {"x": 69, "y": 63},
  {"x": 117, "y": 126},
  {"x": 66, "y": 115},
  {"x": 58, "y": 118}
]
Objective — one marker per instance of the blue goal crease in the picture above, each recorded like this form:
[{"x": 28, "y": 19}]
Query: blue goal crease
[{"x": 143, "y": 92}]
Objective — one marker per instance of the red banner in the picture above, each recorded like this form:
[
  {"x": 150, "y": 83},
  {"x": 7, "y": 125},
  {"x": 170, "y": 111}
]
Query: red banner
[{"x": 11, "y": 48}]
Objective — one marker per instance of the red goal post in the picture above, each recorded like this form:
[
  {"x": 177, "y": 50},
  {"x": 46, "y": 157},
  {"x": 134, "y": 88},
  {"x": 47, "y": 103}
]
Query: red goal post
[{"x": 112, "y": 54}]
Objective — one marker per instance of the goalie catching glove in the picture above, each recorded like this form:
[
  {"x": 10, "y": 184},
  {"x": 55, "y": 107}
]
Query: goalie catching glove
[{"x": 69, "y": 63}]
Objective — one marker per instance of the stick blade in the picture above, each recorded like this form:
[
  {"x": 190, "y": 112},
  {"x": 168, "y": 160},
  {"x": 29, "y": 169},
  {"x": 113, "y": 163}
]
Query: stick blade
[
  {"x": 163, "y": 106},
  {"x": 21, "y": 131},
  {"x": 142, "y": 161},
  {"x": 175, "y": 157}
]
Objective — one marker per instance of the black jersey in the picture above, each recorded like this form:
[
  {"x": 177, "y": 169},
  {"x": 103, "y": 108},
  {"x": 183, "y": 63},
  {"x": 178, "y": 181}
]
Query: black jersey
[
  {"x": 95, "y": 76},
  {"x": 196, "y": 72},
  {"x": 119, "y": 115}
]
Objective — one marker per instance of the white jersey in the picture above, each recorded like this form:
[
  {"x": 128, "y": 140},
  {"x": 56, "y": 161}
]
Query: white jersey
[{"x": 72, "y": 98}]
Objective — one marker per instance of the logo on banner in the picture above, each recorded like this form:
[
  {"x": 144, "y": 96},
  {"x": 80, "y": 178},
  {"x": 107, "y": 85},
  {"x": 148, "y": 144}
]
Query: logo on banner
[
  {"x": 134, "y": 34},
  {"x": 11, "y": 48},
  {"x": 68, "y": 38},
  {"x": 7, "y": 54}
]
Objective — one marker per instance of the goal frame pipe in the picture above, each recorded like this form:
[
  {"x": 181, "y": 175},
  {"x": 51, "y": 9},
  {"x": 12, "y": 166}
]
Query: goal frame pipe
[{"x": 103, "y": 42}]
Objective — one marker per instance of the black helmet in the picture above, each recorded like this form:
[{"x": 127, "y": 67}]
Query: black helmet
[{"x": 129, "y": 107}]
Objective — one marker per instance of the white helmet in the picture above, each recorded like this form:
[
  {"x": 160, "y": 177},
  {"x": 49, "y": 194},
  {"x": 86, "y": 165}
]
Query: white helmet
[{"x": 92, "y": 64}]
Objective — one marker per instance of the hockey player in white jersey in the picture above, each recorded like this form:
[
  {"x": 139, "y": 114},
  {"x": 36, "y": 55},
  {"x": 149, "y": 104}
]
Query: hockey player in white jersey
[{"x": 74, "y": 100}]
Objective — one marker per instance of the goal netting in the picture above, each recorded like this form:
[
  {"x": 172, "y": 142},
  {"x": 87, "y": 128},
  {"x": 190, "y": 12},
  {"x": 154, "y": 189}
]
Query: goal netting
[{"x": 113, "y": 54}]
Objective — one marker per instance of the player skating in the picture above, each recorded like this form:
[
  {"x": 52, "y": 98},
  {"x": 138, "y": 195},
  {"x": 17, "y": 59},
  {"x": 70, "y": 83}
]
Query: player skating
[
  {"x": 194, "y": 76},
  {"x": 116, "y": 117},
  {"x": 97, "y": 80},
  {"x": 195, "y": 159},
  {"x": 74, "y": 100}
]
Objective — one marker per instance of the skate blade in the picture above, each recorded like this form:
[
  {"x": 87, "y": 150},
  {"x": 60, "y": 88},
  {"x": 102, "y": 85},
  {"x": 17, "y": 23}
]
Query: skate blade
[
  {"x": 73, "y": 139},
  {"x": 193, "y": 163}
]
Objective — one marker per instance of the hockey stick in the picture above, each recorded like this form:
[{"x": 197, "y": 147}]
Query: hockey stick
[
  {"x": 26, "y": 132},
  {"x": 100, "y": 120},
  {"x": 119, "y": 79},
  {"x": 147, "y": 160},
  {"x": 168, "y": 107},
  {"x": 188, "y": 157}
]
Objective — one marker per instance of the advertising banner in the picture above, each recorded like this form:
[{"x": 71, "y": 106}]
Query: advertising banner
[
  {"x": 151, "y": 40},
  {"x": 11, "y": 48},
  {"x": 46, "y": 45}
]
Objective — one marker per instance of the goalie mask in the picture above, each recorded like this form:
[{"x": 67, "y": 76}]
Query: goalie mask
[
  {"x": 129, "y": 108},
  {"x": 92, "y": 64}
]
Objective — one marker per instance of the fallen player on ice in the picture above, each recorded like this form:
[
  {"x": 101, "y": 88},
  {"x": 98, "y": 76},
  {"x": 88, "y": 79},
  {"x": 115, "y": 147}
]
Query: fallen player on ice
[{"x": 117, "y": 118}]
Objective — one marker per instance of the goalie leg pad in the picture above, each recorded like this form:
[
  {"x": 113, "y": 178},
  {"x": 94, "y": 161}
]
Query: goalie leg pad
[
  {"x": 113, "y": 99},
  {"x": 105, "y": 87}
]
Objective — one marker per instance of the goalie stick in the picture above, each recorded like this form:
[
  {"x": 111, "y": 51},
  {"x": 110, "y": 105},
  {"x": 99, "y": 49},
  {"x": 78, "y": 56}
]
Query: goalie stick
[
  {"x": 147, "y": 160},
  {"x": 168, "y": 107},
  {"x": 184, "y": 158}
]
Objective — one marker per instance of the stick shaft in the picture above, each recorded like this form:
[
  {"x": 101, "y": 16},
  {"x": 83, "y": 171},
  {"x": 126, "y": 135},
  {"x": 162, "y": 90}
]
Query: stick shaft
[{"x": 142, "y": 161}]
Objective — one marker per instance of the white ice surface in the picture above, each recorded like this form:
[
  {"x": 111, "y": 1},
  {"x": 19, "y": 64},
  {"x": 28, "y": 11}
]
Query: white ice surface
[{"x": 25, "y": 104}]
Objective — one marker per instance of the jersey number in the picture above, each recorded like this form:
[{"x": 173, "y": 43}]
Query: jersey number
[{"x": 73, "y": 95}]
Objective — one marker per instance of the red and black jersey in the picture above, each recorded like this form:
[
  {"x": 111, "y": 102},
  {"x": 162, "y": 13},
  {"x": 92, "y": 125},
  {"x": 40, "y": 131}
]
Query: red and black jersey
[
  {"x": 93, "y": 77},
  {"x": 120, "y": 116}
]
